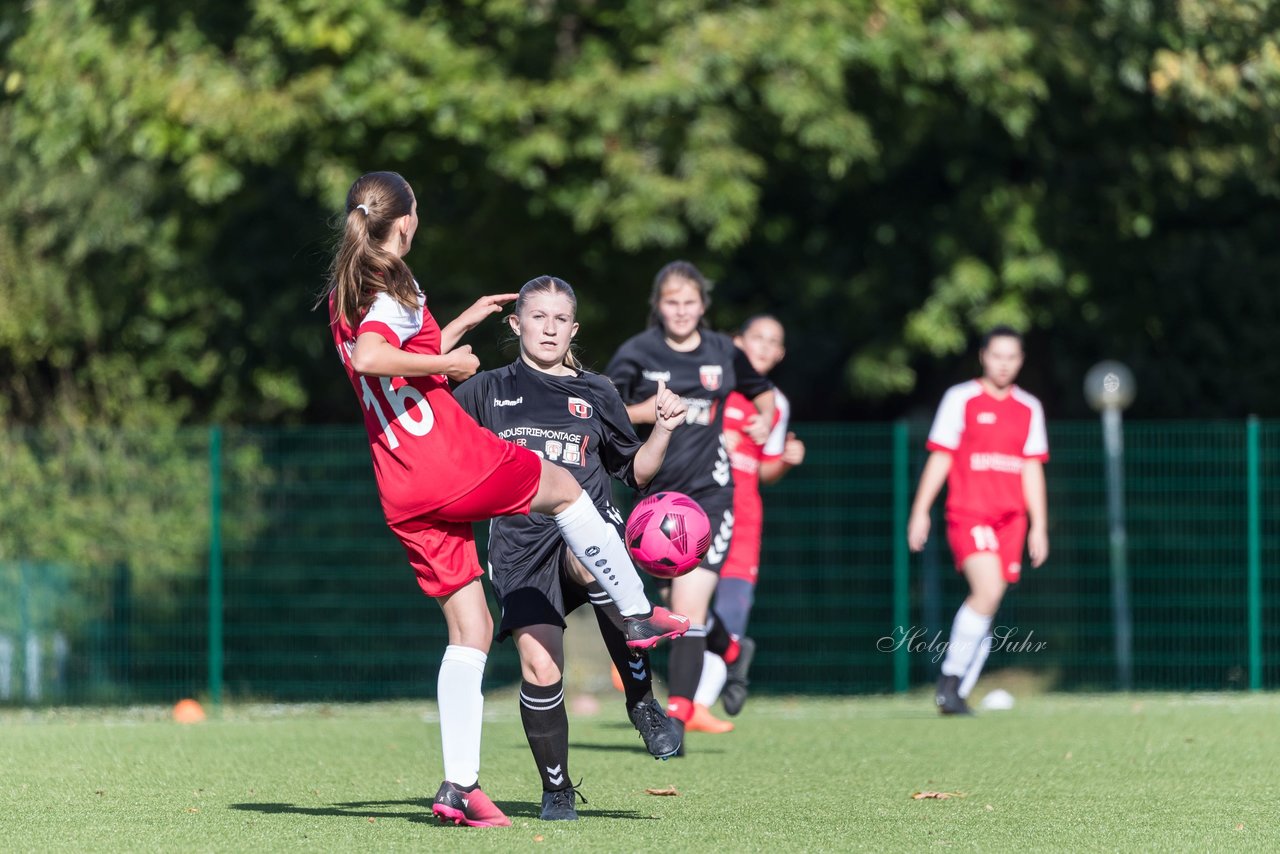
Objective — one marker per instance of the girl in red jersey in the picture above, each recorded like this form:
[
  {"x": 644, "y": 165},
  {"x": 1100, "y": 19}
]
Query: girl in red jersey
[
  {"x": 438, "y": 471},
  {"x": 763, "y": 340},
  {"x": 989, "y": 446}
]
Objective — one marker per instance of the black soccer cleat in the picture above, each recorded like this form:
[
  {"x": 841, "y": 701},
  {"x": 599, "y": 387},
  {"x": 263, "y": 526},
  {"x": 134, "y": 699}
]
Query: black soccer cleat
[
  {"x": 947, "y": 697},
  {"x": 734, "y": 694},
  {"x": 662, "y": 735},
  {"x": 559, "y": 805}
]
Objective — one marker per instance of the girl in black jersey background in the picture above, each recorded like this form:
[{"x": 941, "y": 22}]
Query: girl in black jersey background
[
  {"x": 545, "y": 402},
  {"x": 680, "y": 353}
]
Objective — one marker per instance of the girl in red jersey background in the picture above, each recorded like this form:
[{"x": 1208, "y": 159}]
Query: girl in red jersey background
[
  {"x": 989, "y": 446},
  {"x": 763, "y": 340}
]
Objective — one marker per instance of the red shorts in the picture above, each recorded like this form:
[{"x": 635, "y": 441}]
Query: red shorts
[
  {"x": 744, "y": 553},
  {"x": 441, "y": 544},
  {"x": 1004, "y": 537}
]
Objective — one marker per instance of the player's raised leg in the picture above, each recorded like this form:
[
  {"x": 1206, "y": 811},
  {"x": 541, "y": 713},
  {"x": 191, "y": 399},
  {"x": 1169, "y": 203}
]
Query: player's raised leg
[
  {"x": 662, "y": 737},
  {"x": 597, "y": 546}
]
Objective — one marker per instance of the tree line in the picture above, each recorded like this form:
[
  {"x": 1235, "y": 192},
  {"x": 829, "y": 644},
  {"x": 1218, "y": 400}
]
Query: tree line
[{"x": 889, "y": 177}]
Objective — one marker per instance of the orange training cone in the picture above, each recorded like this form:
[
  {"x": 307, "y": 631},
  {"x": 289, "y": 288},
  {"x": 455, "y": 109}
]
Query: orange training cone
[
  {"x": 616, "y": 677},
  {"x": 188, "y": 711}
]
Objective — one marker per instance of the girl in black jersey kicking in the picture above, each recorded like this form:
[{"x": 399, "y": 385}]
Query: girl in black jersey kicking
[{"x": 547, "y": 403}]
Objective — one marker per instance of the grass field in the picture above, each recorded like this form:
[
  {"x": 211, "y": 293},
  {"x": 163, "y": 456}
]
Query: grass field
[{"x": 1096, "y": 773}]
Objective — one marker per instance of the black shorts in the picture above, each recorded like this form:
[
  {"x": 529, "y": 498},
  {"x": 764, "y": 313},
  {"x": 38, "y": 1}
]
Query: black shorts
[
  {"x": 543, "y": 597},
  {"x": 543, "y": 588}
]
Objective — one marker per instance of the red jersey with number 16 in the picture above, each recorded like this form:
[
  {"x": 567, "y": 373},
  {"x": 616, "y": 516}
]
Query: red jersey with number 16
[
  {"x": 989, "y": 439},
  {"x": 426, "y": 450}
]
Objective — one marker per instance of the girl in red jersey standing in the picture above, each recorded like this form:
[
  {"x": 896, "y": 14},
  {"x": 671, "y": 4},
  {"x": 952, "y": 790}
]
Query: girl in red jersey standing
[
  {"x": 438, "y": 471},
  {"x": 989, "y": 446},
  {"x": 763, "y": 340}
]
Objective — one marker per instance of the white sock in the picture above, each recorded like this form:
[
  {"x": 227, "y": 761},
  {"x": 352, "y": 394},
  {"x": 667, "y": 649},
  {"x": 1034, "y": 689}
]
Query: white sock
[
  {"x": 714, "y": 672},
  {"x": 597, "y": 545},
  {"x": 975, "y": 668},
  {"x": 967, "y": 633},
  {"x": 461, "y": 710}
]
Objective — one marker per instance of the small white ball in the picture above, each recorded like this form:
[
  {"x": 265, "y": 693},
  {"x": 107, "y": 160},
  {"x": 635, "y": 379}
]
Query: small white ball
[{"x": 998, "y": 700}]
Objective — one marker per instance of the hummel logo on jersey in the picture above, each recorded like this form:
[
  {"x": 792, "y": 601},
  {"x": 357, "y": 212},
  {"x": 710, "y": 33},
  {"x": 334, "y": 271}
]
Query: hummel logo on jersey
[
  {"x": 516, "y": 402},
  {"x": 986, "y": 418},
  {"x": 655, "y": 376},
  {"x": 579, "y": 407}
]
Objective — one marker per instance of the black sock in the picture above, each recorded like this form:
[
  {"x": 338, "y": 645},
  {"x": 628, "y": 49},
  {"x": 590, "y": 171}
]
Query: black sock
[
  {"x": 546, "y": 725},
  {"x": 633, "y": 665},
  {"x": 685, "y": 662},
  {"x": 718, "y": 637}
]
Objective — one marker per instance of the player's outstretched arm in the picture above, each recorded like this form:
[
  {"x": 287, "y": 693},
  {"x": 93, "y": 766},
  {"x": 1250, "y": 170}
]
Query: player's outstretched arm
[
  {"x": 452, "y": 333},
  {"x": 1035, "y": 494},
  {"x": 668, "y": 413},
  {"x": 936, "y": 469}
]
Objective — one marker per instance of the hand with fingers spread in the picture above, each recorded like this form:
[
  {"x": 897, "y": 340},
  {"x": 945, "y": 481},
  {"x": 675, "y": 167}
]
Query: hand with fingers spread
[{"x": 471, "y": 317}]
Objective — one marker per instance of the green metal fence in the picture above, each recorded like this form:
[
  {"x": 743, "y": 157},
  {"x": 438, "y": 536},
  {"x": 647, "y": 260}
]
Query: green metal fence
[{"x": 254, "y": 564}]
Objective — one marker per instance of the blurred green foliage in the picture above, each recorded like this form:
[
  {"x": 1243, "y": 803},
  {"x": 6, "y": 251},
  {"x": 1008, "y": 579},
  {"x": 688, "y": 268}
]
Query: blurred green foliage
[{"x": 889, "y": 176}]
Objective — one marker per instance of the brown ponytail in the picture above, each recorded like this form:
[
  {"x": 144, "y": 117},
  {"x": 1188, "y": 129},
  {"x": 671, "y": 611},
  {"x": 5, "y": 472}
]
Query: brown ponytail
[{"x": 361, "y": 268}]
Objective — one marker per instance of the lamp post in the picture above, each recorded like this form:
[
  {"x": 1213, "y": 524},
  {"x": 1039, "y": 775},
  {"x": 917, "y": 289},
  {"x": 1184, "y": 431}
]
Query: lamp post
[{"x": 1109, "y": 387}]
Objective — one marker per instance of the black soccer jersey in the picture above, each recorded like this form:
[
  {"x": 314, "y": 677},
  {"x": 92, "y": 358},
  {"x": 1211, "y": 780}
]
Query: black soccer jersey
[
  {"x": 576, "y": 421},
  {"x": 703, "y": 377}
]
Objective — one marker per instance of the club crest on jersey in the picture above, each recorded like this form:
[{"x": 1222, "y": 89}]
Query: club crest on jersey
[
  {"x": 579, "y": 407},
  {"x": 711, "y": 376}
]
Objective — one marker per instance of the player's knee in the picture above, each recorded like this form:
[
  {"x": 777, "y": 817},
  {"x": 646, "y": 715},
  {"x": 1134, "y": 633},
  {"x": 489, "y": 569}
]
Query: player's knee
[
  {"x": 986, "y": 601},
  {"x": 476, "y": 634},
  {"x": 557, "y": 489},
  {"x": 539, "y": 668}
]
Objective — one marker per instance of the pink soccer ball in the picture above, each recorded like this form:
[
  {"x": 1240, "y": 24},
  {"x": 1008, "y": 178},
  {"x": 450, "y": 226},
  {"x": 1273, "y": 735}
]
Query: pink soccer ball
[{"x": 668, "y": 533}]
